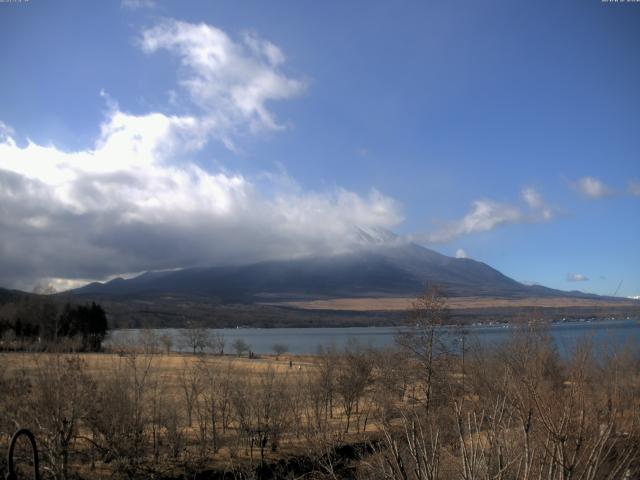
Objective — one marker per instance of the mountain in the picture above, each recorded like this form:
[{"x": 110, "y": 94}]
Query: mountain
[
  {"x": 8, "y": 296},
  {"x": 381, "y": 268}
]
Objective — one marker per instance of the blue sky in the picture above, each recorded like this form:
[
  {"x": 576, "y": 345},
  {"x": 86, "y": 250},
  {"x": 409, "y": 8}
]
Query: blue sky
[{"x": 505, "y": 131}]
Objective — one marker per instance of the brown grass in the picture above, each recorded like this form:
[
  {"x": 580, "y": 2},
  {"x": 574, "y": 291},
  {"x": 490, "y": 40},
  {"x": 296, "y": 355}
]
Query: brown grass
[
  {"x": 457, "y": 303},
  {"x": 167, "y": 366}
]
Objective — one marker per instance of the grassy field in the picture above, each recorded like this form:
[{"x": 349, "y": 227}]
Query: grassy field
[
  {"x": 169, "y": 366},
  {"x": 457, "y": 303}
]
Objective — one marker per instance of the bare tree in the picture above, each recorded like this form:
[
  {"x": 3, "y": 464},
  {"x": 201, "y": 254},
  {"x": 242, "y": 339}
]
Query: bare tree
[
  {"x": 261, "y": 410},
  {"x": 212, "y": 403},
  {"x": 354, "y": 376},
  {"x": 279, "y": 349},
  {"x": 217, "y": 342},
  {"x": 119, "y": 414},
  {"x": 61, "y": 397},
  {"x": 166, "y": 341},
  {"x": 241, "y": 347},
  {"x": 195, "y": 337},
  {"x": 149, "y": 340},
  {"x": 190, "y": 379},
  {"x": 421, "y": 339},
  {"x": 326, "y": 379},
  {"x": 393, "y": 375},
  {"x": 411, "y": 453}
]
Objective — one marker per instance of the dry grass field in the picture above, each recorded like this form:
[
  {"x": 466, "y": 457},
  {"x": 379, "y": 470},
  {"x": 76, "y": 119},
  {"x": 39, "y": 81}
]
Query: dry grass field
[
  {"x": 456, "y": 303},
  {"x": 168, "y": 366}
]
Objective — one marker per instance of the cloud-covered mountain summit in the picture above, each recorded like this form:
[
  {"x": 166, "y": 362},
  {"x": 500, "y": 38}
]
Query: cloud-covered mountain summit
[
  {"x": 375, "y": 269},
  {"x": 137, "y": 199}
]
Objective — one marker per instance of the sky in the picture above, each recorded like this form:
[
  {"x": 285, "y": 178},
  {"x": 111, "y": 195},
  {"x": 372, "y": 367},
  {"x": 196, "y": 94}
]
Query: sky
[{"x": 140, "y": 135}]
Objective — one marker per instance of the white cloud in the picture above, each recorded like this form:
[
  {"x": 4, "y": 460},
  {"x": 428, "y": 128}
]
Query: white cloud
[
  {"x": 460, "y": 253},
  {"x": 634, "y": 188},
  {"x": 5, "y": 131},
  {"x": 126, "y": 142},
  {"x": 536, "y": 202},
  {"x": 592, "y": 187},
  {"x": 263, "y": 48},
  {"x": 532, "y": 197},
  {"x": 136, "y": 4},
  {"x": 487, "y": 214},
  {"x": 231, "y": 82},
  {"x": 576, "y": 277},
  {"x": 130, "y": 204}
]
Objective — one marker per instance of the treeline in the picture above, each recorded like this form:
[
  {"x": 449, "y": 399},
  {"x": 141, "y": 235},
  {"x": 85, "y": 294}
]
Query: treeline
[{"x": 38, "y": 322}]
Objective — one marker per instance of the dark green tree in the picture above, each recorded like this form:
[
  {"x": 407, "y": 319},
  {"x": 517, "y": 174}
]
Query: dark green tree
[{"x": 88, "y": 322}]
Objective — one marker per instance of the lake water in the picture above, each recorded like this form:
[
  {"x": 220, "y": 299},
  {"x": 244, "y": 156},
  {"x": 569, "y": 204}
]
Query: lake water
[{"x": 603, "y": 334}]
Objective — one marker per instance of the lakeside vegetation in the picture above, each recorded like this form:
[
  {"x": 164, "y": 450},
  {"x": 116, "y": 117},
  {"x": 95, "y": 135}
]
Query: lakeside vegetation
[
  {"x": 417, "y": 411},
  {"x": 40, "y": 322}
]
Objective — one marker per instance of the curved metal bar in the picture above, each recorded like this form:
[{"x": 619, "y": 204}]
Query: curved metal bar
[{"x": 11, "y": 475}]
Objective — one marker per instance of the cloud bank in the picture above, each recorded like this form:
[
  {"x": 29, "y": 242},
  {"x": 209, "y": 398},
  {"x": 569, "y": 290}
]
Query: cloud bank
[
  {"x": 131, "y": 202},
  {"x": 122, "y": 207}
]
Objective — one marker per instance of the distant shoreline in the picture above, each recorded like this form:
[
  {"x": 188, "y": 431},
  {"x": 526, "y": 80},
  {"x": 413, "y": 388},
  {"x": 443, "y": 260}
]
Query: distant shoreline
[
  {"x": 175, "y": 312},
  {"x": 456, "y": 303},
  {"x": 478, "y": 325}
]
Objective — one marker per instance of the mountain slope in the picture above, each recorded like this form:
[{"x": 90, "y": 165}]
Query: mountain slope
[
  {"x": 8, "y": 296},
  {"x": 373, "y": 271}
]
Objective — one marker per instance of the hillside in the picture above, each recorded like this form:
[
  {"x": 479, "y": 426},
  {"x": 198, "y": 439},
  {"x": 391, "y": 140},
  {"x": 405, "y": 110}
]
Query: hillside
[
  {"x": 380, "y": 271},
  {"x": 7, "y": 296}
]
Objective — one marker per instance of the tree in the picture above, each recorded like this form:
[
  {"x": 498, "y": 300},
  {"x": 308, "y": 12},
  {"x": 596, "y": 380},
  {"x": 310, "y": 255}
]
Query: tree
[
  {"x": 190, "y": 383},
  {"x": 149, "y": 340},
  {"x": 32, "y": 317},
  {"x": 354, "y": 375},
  {"x": 120, "y": 417},
  {"x": 195, "y": 337},
  {"x": 86, "y": 321},
  {"x": 217, "y": 342},
  {"x": 279, "y": 349},
  {"x": 61, "y": 398},
  {"x": 261, "y": 409},
  {"x": 427, "y": 313},
  {"x": 167, "y": 342},
  {"x": 240, "y": 346},
  {"x": 325, "y": 381}
]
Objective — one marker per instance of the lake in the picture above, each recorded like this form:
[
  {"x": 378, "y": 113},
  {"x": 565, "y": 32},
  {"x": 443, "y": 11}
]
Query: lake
[{"x": 603, "y": 333}]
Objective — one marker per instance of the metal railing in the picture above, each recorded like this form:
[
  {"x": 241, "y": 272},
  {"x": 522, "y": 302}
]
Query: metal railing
[{"x": 11, "y": 474}]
